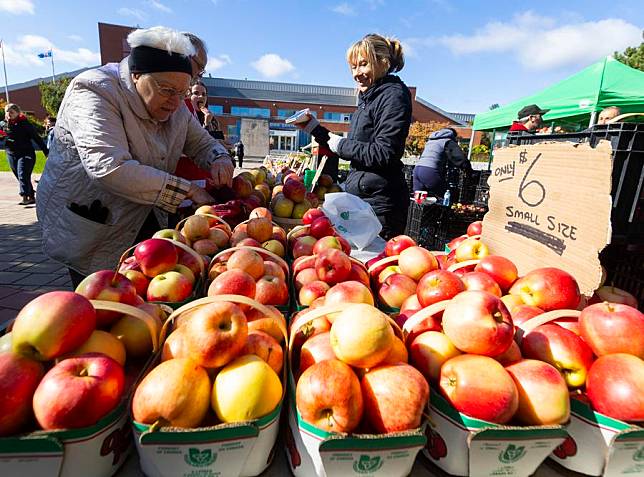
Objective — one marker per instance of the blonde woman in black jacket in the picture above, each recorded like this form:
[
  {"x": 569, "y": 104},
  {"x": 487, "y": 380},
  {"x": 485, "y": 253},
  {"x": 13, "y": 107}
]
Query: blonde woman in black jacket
[{"x": 379, "y": 128}]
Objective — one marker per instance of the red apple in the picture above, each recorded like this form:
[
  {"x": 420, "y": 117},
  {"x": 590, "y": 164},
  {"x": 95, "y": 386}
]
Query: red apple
[
  {"x": 139, "y": 281},
  {"x": 615, "y": 386},
  {"x": 196, "y": 227},
  {"x": 548, "y": 289},
  {"x": 561, "y": 348},
  {"x": 312, "y": 328},
  {"x": 262, "y": 212},
  {"x": 304, "y": 277},
  {"x": 266, "y": 347},
  {"x": 471, "y": 249},
  {"x": 397, "y": 244},
  {"x": 190, "y": 261},
  {"x": 385, "y": 272},
  {"x": 294, "y": 190},
  {"x": 344, "y": 243},
  {"x": 247, "y": 242},
  {"x": 156, "y": 256},
  {"x": 172, "y": 287},
  {"x": 502, "y": 270},
  {"x": 481, "y": 281},
  {"x": 429, "y": 350},
  {"x": 479, "y": 387},
  {"x": 333, "y": 266},
  {"x": 328, "y": 396},
  {"x": 326, "y": 243},
  {"x": 396, "y": 289},
  {"x": 78, "y": 392},
  {"x": 248, "y": 261},
  {"x": 315, "y": 350},
  {"x": 395, "y": 397},
  {"x": 543, "y": 394},
  {"x": 272, "y": 268},
  {"x": 454, "y": 243},
  {"x": 233, "y": 282},
  {"x": 311, "y": 291},
  {"x": 510, "y": 356},
  {"x": 109, "y": 286},
  {"x": 437, "y": 286},
  {"x": 349, "y": 292},
  {"x": 242, "y": 187},
  {"x": 279, "y": 234},
  {"x": 410, "y": 306},
  {"x": 213, "y": 335},
  {"x": 358, "y": 274},
  {"x": 613, "y": 328},
  {"x": 416, "y": 262},
  {"x": 522, "y": 313},
  {"x": 260, "y": 228},
  {"x": 311, "y": 215},
  {"x": 53, "y": 324},
  {"x": 475, "y": 228},
  {"x": 303, "y": 246},
  {"x": 19, "y": 378},
  {"x": 321, "y": 227},
  {"x": 205, "y": 247},
  {"x": 478, "y": 322},
  {"x": 271, "y": 290}
]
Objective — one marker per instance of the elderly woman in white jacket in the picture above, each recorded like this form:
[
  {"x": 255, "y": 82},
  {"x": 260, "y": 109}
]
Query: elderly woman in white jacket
[{"x": 121, "y": 129}]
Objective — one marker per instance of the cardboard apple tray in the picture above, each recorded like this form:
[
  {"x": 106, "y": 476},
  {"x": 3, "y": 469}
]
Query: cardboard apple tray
[
  {"x": 462, "y": 445},
  {"x": 198, "y": 288},
  {"x": 596, "y": 444},
  {"x": 97, "y": 451},
  {"x": 312, "y": 452},
  {"x": 234, "y": 449},
  {"x": 224, "y": 254}
]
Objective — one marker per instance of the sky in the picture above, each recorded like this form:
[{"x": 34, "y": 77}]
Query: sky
[{"x": 462, "y": 56}]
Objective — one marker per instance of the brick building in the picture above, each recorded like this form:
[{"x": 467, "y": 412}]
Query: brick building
[{"x": 231, "y": 100}]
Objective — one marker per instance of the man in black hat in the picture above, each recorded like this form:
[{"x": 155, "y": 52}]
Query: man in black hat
[{"x": 529, "y": 119}]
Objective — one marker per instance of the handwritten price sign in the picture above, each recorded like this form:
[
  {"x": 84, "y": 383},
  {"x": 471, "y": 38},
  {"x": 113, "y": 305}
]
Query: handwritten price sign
[{"x": 550, "y": 206}]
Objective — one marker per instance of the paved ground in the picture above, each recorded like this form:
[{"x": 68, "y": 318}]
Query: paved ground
[{"x": 24, "y": 271}]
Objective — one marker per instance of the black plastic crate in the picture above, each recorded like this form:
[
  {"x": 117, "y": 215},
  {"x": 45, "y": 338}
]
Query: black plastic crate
[
  {"x": 433, "y": 225},
  {"x": 624, "y": 264},
  {"x": 627, "y": 141}
]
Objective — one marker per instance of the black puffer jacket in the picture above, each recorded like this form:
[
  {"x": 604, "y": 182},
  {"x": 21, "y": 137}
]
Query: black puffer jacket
[
  {"x": 376, "y": 143},
  {"x": 20, "y": 133}
]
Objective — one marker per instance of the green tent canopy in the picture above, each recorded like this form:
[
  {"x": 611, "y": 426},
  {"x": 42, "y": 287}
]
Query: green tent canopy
[{"x": 605, "y": 83}]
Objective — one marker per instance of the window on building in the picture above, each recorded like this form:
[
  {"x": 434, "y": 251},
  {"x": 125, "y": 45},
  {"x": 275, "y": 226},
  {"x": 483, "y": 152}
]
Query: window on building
[
  {"x": 337, "y": 117},
  {"x": 250, "y": 112},
  {"x": 285, "y": 113},
  {"x": 233, "y": 130},
  {"x": 216, "y": 108}
]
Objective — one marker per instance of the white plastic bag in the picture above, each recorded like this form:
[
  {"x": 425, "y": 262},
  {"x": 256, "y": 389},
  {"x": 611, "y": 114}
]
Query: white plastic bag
[{"x": 354, "y": 219}]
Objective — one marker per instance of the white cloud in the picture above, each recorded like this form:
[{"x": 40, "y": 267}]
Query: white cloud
[
  {"x": 540, "y": 43},
  {"x": 132, "y": 12},
  {"x": 75, "y": 37},
  {"x": 25, "y": 51},
  {"x": 344, "y": 9},
  {"x": 17, "y": 7},
  {"x": 217, "y": 62},
  {"x": 160, "y": 6},
  {"x": 271, "y": 65}
]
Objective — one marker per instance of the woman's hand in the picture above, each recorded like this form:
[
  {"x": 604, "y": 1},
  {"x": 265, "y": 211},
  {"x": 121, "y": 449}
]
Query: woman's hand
[
  {"x": 199, "y": 196},
  {"x": 222, "y": 171},
  {"x": 207, "y": 116}
]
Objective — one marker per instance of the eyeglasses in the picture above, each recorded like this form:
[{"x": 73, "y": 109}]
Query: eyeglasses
[
  {"x": 201, "y": 68},
  {"x": 169, "y": 92}
]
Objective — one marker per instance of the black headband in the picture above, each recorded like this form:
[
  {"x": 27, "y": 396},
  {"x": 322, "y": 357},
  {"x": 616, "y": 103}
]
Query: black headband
[{"x": 145, "y": 59}]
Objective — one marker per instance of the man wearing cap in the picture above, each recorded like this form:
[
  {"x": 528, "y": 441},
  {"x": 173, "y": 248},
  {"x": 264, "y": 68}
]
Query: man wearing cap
[
  {"x": 529, "y": 119},
  {"x": 109, "y": 180}
]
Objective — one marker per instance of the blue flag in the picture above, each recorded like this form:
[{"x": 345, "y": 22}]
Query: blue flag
[{"x": 46, "y": 54}]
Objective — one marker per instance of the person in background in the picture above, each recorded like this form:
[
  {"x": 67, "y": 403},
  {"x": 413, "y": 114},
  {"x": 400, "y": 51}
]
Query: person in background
[
  {"x": 379, "y": 128},
  {"x": 529, "y": 119},
  {"x": 239, "y": 152},
  {"x": 109, "y": 181},
  {"x": 608, "y": 113},
  {"x": 199, "y": 100},
  {"x": 18, "y": 133},
  {"x": 441, "y": 151},
  {"x": 50, "y": 122}
]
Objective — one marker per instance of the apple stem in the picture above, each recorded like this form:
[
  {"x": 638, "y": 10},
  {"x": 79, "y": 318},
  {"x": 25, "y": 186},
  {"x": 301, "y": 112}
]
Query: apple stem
[
  {"x": 158, "y": 424},
  {"x": 83, "y": 372}
]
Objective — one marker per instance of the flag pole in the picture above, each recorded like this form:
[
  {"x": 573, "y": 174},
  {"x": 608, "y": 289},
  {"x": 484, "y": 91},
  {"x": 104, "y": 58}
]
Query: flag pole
[
  {"x": 4, "y": 67},
  {"x": 53, "y": 74}
]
